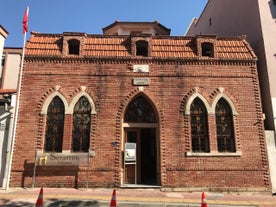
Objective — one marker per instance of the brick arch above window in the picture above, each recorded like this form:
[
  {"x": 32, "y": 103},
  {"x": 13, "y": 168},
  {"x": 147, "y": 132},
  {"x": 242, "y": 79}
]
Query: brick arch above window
[
  {"x": 230, "y": 102},
  {"x": 76, "y": 99},
  {"x": 191, "y": 99},
  {"x": 50, "y": 98}
]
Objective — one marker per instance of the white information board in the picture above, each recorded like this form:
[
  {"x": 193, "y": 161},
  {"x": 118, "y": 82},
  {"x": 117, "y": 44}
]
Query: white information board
[{"x": 130, "y": 152}]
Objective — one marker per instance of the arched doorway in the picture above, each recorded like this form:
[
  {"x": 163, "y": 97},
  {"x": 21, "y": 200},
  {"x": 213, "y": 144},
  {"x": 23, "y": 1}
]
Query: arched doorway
[{"x": 140, "y": 127}]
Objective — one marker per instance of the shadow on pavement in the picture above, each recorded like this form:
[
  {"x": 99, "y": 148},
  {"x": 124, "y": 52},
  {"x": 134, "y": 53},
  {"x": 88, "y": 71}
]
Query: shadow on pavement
[
  {"x": 5, "y": 202},
  {"x": 76, "y": 203}
]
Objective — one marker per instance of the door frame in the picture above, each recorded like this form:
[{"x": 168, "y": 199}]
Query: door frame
[{"x": 137, "y": 126}]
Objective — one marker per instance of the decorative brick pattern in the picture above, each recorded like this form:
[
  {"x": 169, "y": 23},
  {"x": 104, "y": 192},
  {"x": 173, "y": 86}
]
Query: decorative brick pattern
[{"x": 104, "y": 72}]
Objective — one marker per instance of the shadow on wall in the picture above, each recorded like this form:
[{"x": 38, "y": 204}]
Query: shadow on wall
[
  {"x": 63, "y": 176},
  {"x": 272, "y": 6}
]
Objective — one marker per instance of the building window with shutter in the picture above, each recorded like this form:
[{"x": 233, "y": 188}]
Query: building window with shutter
[
  {"x": 199, "y": 126},
  {"x": 54, "y": 126},
  {"x": 81, "y": 126},
  {"x": 225, "y": 128}
]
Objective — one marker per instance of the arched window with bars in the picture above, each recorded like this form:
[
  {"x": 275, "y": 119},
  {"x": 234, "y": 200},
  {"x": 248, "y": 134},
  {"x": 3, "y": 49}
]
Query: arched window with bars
[
  {"x": 225, "y": 127},
  {"x": 81, "y": 126},
  {"x": 199, "y": 126},
  {"x": 54, "y": 126}
]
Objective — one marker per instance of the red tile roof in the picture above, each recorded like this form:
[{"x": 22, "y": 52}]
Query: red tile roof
[
  {"x": 41, "y": 45},
  {"x": 8, "y": 91}
]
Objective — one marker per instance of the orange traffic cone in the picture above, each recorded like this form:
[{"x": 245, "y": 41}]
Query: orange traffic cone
[
  {"x": 113, "y": 202},
  {"x": 39, "y": 202},
  {"x": 203, "y": 200}
]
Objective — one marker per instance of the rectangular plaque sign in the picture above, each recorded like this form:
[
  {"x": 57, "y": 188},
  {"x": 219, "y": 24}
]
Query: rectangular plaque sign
[
  {"x": 141, "y": 81},
  {"x": 141, "y": 68},
  {"x": 62, "y": 159}
]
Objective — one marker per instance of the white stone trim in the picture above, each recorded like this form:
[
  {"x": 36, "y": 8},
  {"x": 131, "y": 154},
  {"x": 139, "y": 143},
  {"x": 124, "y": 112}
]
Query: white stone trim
[
  {"x": 50, "y": 98},
  {"x": 76, "y": 99},
  {"x": 191, "y": 99}
]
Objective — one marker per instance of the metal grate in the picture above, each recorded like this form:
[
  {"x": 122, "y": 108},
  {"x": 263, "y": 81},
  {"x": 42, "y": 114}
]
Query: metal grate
[
  {"x": 225, "y": 129},
  {"x": 199, "y": 127},
  {"x": 81, "y": 126},
  {"x": 54, "y": 126}
]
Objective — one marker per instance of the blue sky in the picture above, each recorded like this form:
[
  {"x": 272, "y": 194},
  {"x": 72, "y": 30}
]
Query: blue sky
[{"x": 90, "y": 16}]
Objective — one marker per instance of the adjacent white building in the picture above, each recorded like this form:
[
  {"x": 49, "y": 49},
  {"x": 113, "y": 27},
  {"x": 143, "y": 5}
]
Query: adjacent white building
[
  {"x": 9, "y": 73},
  {"x": 257, "y": 20}
]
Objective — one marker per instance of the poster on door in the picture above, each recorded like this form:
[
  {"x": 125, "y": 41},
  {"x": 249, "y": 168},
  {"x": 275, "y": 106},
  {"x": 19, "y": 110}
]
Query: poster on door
[{"x": 130, "y": 152}]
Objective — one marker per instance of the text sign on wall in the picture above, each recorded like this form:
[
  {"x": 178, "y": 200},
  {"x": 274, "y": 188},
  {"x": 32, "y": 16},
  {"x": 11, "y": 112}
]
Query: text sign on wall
[
  {"x": 130, "y": 151},
  {"x": 62, "y": 159},
  {"x": 141, "y": 81},
  {"x": 141, "y": 68}
]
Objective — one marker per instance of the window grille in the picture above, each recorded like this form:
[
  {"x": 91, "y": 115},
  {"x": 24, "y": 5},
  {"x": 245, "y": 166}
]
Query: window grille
[
  {"x": 199, "y": 127},
  {"x": 225, "y": 129},
  {"x": 81, "y": 126},
  {"x": 54, "y": 126},
  {"x": 140, "y": 111}
]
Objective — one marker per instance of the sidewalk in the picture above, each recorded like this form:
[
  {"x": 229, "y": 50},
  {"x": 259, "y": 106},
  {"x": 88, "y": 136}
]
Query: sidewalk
[{"x": 131, "y": 197}]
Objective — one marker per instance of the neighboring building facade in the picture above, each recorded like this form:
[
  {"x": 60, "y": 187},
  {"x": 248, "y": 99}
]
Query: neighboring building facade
[
  {"x": 256, "y": 20},
  {"x": 9, "y": 70},
  {"x": 145, "y": 107}
]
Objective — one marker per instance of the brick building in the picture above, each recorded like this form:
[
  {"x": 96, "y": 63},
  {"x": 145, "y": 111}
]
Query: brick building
[{"x": 146, "y": 108}]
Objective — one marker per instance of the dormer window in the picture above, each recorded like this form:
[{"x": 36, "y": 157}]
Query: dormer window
[
  {"x": 73, "y": 47},
  {"x": 207, "y": 49},
  {"x": 142, "y": 48}
]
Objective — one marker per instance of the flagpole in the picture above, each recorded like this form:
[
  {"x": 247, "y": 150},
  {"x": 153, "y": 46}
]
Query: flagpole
[{"x": 17, "y": 106}]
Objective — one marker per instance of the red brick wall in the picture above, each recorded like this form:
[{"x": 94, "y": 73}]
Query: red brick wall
[{"x": 109, "y": 83}]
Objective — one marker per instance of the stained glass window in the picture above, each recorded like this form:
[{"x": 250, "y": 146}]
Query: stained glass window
[
  {"x": 54, "y": 126},
  {"x": 140, "y": 111},
  {"x": 225, "y": 129},
  {"x": 199, "y": 127},
  {"x": 81, "y": 126}
]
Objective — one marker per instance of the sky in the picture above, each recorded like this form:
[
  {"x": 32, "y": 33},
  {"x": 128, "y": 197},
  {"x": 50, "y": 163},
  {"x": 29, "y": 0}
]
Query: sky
[{"x": 90, "y": 16}]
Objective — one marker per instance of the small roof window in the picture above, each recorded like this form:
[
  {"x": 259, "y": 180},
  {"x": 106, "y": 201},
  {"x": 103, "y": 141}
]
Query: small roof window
[
  {"x": 207, "y": 49},
  {"x": 73, "y": 47},
  {"x": 142, "y": 48}
]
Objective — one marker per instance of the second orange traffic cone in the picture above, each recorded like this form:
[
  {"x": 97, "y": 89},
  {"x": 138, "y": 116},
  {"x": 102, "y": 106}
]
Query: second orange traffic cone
[
  {"x": 203, "y": 200},
  {"x": 113, "y": 202},
  {"x": 39, "y": 202}
]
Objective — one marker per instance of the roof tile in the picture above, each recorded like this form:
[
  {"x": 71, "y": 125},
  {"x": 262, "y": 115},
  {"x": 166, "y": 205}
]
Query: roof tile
[{"x": 119, "y": 46}]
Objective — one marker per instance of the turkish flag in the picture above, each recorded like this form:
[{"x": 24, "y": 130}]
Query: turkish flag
[{"x": 25, "y": 20}]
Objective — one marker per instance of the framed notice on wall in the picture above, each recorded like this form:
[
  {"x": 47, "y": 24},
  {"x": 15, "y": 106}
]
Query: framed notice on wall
[{"x": 130, "y": 152}]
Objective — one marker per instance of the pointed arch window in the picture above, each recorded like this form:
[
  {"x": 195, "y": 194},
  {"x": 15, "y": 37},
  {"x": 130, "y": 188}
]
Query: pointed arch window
[
  {"x": 140, "y": 111},
  {"x": 81, "y": 126},
  {"x": 54, "y": 126},
  {"x": 225, "y": 128},
  {"x": 199, "y": 126}
]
